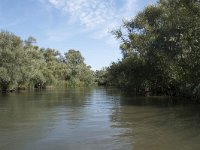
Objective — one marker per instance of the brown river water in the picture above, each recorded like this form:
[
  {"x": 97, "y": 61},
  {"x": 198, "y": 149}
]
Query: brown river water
[{"x": 96, "y": 119}]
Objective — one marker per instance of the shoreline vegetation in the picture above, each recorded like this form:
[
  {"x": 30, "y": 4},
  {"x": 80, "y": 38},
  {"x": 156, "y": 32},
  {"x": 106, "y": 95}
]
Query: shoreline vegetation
[
  {"x": 23, "y": 65},
  {"x": 161, "y": 51},
  {"x": 160, "y": 48}
]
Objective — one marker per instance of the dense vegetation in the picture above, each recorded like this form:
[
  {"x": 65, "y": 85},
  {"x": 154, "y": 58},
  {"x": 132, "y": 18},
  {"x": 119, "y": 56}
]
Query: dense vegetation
[
  {"x": 161, "y": 51},
  {"x": 24, "y": 65},
  {"x": 160, "y": 48}
]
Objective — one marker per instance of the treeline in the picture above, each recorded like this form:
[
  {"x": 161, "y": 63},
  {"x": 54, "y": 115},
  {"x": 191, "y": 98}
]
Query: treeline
[
  {"x": 24, "y": 65},
  {"x": 161, "y": 51}
]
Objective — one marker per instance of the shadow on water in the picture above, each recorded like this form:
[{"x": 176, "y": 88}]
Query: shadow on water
[
  {"x": 96, "y": 118},
  {"x": 157, "y": 123}
]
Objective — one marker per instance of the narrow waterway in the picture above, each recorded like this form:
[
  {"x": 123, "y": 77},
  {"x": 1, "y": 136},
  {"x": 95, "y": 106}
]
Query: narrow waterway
[{"x": 96, "y": 119}]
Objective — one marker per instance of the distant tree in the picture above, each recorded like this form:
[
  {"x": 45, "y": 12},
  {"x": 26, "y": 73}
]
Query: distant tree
[
  {"x": 30, "y": 41},
  {"x": 80, "y": 73},
  {"x": 101, "y": 76},
  {"x": 25, "y": 65},
  {"x": 74, "y": 57}
]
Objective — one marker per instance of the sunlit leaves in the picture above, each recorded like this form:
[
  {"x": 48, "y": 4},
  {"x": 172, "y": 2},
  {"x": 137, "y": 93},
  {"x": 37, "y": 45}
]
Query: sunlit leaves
[
  {"x": 166, "y": 38},
  {"x": 25, "y": 65}
]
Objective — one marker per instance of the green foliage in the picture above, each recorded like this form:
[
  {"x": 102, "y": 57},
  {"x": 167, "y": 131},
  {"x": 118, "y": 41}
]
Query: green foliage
[
  {"x": 101, "y": 76},
  {"x": 24, "y": 65},
  {"x": 161, "y": 49},
  {"x": 12, "y": 62},
  {"x": 80, "y": 73},
  {"x": 74, "y": 57}
]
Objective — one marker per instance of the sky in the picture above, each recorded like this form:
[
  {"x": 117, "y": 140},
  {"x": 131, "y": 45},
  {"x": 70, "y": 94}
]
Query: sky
[{"x": 82, "y": 25}]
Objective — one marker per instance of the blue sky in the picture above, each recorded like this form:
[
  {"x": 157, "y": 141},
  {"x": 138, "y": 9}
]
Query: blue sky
[{"x": 83, "y": 25}]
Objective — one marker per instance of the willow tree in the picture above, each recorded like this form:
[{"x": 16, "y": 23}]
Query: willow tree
[
  {"x": 13, "y": 62},
  {"x": 80, "y": 73},
  {"x": 165, "y": 38}
]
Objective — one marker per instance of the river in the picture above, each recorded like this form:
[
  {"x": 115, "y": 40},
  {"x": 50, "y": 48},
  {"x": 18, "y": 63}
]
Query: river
[{"x": 96, "y": 119}]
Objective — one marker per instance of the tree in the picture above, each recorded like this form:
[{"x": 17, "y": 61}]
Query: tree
[
  {"x": 164, "y": 38},
  {"x": 74, "y": 57},
  {"x": 80, "y": 73},
  {"x": 101, "y": 76},
  {"x": 30, "y": 41},
  {"x": 12, "y": 61},
  {"x": 25, "y": 65}
]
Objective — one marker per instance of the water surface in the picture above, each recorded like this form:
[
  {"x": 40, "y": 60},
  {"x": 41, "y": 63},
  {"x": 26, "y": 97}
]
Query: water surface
[{"x": 96, "y": 119}]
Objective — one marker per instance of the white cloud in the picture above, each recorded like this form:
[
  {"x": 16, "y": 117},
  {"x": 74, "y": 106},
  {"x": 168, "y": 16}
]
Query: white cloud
[
  {"x": 57, "y": 3},
  {"x": 95, "y": 17},
  {"x": 95, "y": 14},
  {"x": 130, "y": 4},
  {"x": 90, "y": 13}
]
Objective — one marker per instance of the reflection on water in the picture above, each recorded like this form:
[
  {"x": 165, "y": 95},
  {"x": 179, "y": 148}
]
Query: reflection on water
[{"x": 96, "y": 118}]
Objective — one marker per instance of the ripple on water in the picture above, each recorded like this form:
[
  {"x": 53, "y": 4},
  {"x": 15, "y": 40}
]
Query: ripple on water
[{"x": 95, "y": 118}]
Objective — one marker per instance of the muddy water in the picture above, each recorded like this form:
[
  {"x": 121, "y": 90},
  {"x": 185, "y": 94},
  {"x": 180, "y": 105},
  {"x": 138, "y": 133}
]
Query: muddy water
[{"x": 96, "y": 119}]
